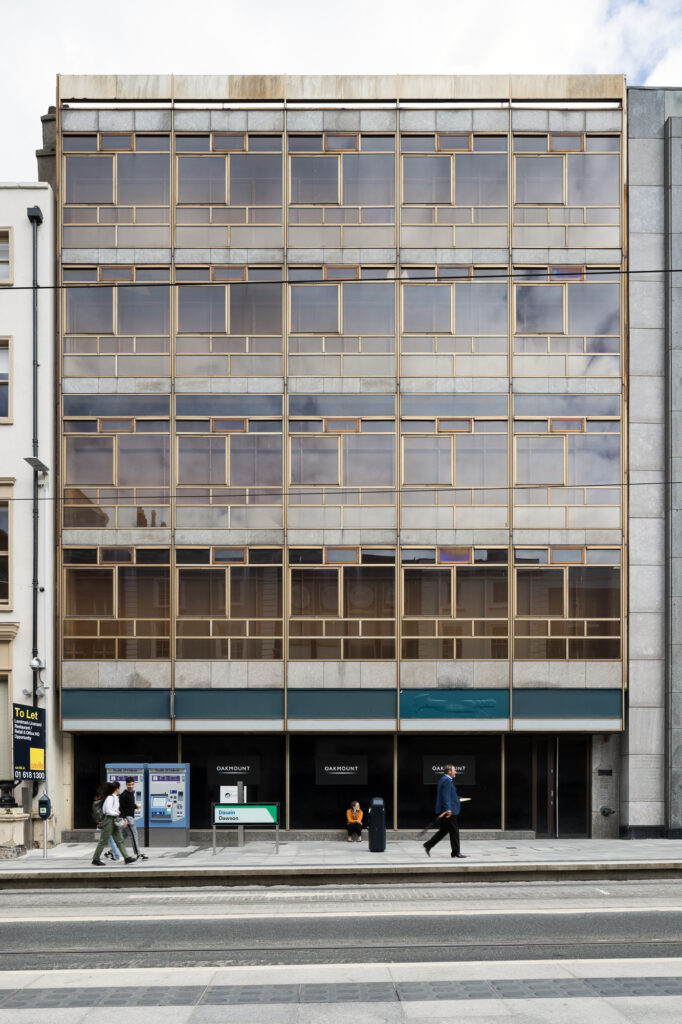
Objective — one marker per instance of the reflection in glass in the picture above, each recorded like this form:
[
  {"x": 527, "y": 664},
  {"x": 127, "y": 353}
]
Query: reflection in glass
[
  {"x": 314, "y": 179},
  {"x": 593, "y": 179},
  {"x": 368, "y": 179},
  {"x": 539, "y": 309},
  {"x": 369, "y": 308},
  {"x": 594, "y": 592},
  {"x": 593, "y": 308},
  {"x": 89, "y": 460},
  {"x": 201, "y": 308},
  {"x": 481, "y": 460},
  {"x": 256, "y": 461},
  {"x": 143, "y": 460},
  {"x": 539, "y": 179},
  {"x": 539, "y": 592},
  {"x": 427, "y": 592},
  {"x": 593, "y": 459},
  {"x": 89, "y": 310},
  {"x": 427, "y": 460},
  {"x": 201, "y": 592},
  {"x": 427, "y": 308},
  {"x": 256, "y": 592},
  {"x": 480, "y": 179},
  {"x": 426, "y": 179},
  {"x": 143, "y": 592},
  {"x": 89, "y": 592},
  {"x": 481, "y": 593},
  {"x": 539, "y": 460},
  {"x": 89, "y": 179},
  {"x": 143, "y": 178},
  {"x": 314, "y": 460},
  {"x": 256, "y": 308},
  {"x": 314, "y": 308},
  {"x": 314, "y": 592},
  {"x": 368, "y": 592},
  {"x": 255, "y": 180},
  {"x": 480, "y": 308},
  {"x": 201, "y": 179},
  {"x": 144, "y": 309},
  {"x": 368, "y": 460},
  {"x": 201, "y": 460}
]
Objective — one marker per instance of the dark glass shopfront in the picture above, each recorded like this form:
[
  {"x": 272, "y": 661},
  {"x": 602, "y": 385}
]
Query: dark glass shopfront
[{"x": 517, "y": 782}]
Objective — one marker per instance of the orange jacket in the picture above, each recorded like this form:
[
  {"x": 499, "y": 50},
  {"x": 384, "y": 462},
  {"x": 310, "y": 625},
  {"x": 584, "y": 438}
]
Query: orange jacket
[{"x": 353, "y": 816}]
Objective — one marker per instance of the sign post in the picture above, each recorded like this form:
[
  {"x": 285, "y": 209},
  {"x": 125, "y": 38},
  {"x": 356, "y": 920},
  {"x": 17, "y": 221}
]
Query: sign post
[{"x": 244, "y": 814}]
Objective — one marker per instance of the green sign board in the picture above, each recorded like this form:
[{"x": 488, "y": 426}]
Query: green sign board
[{"x": 245, "y": 814}]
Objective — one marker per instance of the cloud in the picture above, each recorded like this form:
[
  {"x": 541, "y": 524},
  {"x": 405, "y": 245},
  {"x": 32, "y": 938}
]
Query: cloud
[{"x": 42, "y": 37}]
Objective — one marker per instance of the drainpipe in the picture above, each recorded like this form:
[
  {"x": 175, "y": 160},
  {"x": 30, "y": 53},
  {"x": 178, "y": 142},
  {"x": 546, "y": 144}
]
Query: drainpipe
[{"x": 34, "y": 214}]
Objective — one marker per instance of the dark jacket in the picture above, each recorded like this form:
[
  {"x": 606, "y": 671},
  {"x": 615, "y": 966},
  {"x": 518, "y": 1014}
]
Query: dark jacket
[
  {"x": 447, "y": 797},
  {"x": 126, "y": 802}
]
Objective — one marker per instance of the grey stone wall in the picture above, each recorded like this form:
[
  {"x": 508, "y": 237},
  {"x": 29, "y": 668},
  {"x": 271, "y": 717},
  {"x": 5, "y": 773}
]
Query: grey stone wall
[{"x": 647, "y": 770}]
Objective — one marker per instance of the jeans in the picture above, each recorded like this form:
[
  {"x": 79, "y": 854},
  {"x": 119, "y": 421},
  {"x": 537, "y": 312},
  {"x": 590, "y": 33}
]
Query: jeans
[{"x": 135, "y": 839}]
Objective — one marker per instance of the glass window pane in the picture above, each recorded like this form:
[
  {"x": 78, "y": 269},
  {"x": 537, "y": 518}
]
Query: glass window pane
[
  {"x": 368, "y": 180},
  {"x": 480, "y": 460},
  {"x": 593, "y": 179},
  {"x": 426, "y": 179},
  {"x": 594, "y": 592},
  {"x": 143, "y": 178},
  {"x": 427, "y": 592},
  {"x": 314, "y": 179},
  {"x": 315, "y": 309},
  {"x": 427, "y": 308},
  {"x": 255, "y": 179},
  {"x": 314, "y": 592},
  {"x": 480, "y": 308},
  {"x": 143, "y": 592},
  {"x": 539, "y": 179},
  {"x": 144, "y": 309},
  {"x": 369, "y": 308},
  {"x": 89, "y": 310},
  {"x": 89, "y": 460},
  {"x": 539, "y": 592},
  {"x": 201, "y": 308},
  {"x": 481, "y": 179},
  {"x": 368, "y": 460},
  {"x": 256, "y": 461},
  {"x": 89, "y": 592},
  {"x": 143, "y": 460},
  {"x": 201, "y": 460},
  {"x": 481, "y": 593},
  {"x": 201, "y": 592},
  {"x": 593, "y": 459},
  {"x": 593, "y": 308},
  {"x": 89, "y": 179},
  {"x": 201, "y": 179},
  {"x": 539, "y": 309},
  {"x": 427, "y": 460},
  {"x": 256, "y": 308},
  {"x": 368, "y": 592},
  {"x": 539, "y": 460},
  {"x": 314, "y": 460},
  {"x": 255, "y": 592}
]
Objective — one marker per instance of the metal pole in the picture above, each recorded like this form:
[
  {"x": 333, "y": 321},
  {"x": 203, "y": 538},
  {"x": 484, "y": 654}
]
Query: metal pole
[
  {"x": 240, "y": 800},
  {"x": 277, "y": 833},
  {"x": 213, "y": 826},
  {"x": 44, "y": 838}
]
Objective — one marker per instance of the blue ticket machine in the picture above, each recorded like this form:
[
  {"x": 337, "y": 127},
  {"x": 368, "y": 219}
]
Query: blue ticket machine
[
  {"x": 168, "y": 804},
  {"x": 121, "y": 772}
]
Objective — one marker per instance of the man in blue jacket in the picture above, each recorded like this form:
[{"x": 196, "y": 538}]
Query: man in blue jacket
[{"x": 447, "y": 809}]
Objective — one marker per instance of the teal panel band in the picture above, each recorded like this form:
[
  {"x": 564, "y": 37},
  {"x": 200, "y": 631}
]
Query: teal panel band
[
  {"x": 454, "y": 703},
  {"x": 341, "y": 704},
  {"x": 115, "y": 703},
  {"x": 546, "y": 703},
  {"x": 229, "y": 703}
]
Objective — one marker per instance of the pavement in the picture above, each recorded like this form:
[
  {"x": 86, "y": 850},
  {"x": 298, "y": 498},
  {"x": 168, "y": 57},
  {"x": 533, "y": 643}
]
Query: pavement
[
  {"x": 331, "y": 861},
  {"x": 617, "y": 991}
]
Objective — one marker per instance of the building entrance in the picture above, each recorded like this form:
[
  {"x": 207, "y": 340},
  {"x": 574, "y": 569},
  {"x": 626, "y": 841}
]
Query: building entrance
[{"x": 547, "y": 785}]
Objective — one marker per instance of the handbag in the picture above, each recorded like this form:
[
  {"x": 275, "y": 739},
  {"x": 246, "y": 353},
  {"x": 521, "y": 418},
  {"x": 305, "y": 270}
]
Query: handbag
[{"x": 120, "y": 822}]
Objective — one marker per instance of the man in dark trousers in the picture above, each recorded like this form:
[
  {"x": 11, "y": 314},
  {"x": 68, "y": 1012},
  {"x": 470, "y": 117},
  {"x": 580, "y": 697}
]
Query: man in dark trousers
[{"x": 447, "y": 809}]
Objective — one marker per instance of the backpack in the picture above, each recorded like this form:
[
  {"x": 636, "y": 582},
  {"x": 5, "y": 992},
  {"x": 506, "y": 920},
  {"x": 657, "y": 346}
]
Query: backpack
[{"x": 96, "y": 812}]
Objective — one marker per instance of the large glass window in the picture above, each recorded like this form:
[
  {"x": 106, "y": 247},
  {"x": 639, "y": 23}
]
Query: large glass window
[
  {"x": 143, "y": 178},
  {"x": 4, "y": 552},
  {"x": 4, "y": 380},
  {"x": 342, "y": 611}
]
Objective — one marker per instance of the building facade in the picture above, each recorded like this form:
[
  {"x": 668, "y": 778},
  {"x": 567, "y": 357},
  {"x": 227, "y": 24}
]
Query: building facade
[
  {"x": 27, "y": 631},
  {"x": 342, "y": 459},
  {"x": 652, "y": 761}
]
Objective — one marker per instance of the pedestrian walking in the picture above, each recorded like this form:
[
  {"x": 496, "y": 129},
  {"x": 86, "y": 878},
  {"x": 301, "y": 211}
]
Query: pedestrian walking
[
  {"x": 354, "y": 822},
  {"x": 128, "y": 808},
  {"x": 111, "y": 824},
  {"x": 98, "y": 818},
  {"x": 447, "y": 810}
]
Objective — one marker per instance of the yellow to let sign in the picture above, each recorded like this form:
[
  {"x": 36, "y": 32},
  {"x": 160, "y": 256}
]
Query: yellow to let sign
[{"x": 36, "y": 759}]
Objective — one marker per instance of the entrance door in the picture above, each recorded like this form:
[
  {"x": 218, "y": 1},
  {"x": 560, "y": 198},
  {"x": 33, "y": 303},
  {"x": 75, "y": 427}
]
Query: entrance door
[{"x": 548, "y": 785}]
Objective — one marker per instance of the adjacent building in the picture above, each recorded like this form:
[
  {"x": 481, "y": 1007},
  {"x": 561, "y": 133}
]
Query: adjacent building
[
  {"x": 343, "y": 446},
  {"x": 27, "y": 538}
]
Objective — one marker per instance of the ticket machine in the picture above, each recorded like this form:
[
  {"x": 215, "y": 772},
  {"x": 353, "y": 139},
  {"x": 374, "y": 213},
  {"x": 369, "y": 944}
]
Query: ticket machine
[
  {"x": 168, "y": 804},
  {"x": 121, "y": 772}
]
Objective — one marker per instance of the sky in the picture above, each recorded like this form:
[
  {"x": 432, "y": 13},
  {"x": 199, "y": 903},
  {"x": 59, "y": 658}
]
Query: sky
[{"x": 640, "y": 38}]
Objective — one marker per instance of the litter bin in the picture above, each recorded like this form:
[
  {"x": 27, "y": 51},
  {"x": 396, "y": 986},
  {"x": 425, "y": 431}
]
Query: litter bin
[{"x": 377, "y": 825}]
